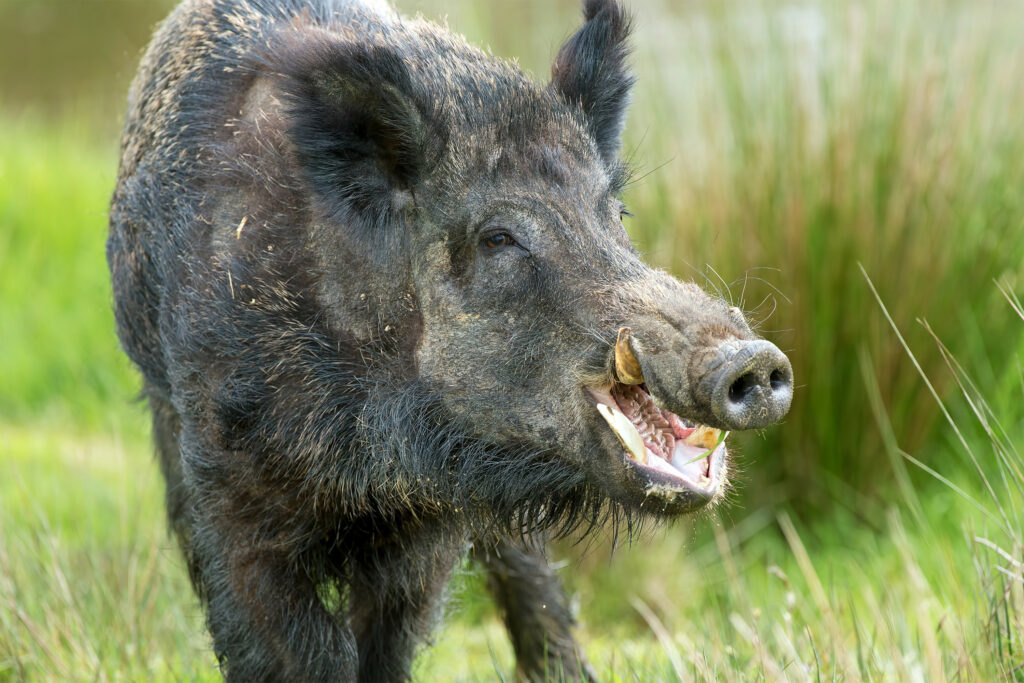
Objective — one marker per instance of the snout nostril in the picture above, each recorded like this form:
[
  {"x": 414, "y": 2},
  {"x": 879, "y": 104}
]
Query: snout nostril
[
  {"x": 752, "y": 385},
  {"x": 739, "y": 389}
]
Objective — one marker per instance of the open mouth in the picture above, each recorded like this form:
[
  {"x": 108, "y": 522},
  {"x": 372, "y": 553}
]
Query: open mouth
[{"x": 668, "y": 450}]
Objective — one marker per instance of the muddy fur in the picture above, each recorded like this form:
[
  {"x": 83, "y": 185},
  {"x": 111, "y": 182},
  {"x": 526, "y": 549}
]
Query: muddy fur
[{"x": 352, "y": 379}]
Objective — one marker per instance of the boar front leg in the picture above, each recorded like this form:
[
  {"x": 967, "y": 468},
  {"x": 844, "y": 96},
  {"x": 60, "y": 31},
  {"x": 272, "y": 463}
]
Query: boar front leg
[
  {"x": 535, "y": 610},
  {"x": 396, "y": 591},
  {"x": 267, "y": 620}
]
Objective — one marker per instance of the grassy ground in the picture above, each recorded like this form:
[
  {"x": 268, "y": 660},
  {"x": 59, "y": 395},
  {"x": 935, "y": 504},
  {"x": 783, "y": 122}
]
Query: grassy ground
[
  {"x": 784, "y": 145},
  {"x": 91, "y": 587}
]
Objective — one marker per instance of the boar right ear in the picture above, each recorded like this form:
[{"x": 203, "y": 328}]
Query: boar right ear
[
  {"x": 591, "y": 71},
  {"x": 363, "y": 130}
]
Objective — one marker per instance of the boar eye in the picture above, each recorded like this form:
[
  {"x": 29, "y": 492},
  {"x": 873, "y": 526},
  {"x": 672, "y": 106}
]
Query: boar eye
[{"x": 498, "y": 239}]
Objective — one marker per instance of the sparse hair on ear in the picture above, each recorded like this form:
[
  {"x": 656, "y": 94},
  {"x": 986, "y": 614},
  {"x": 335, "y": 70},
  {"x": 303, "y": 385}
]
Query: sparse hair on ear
[
  {"x": 591, "y": 72},
  {"x": 364, "y": 131}
]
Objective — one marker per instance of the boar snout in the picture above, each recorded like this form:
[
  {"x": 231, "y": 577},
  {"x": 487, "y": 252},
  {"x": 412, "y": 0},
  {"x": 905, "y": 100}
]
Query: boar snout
[
  {"x": 750, "y": 383},
  {"x": 706, "y": 366}
]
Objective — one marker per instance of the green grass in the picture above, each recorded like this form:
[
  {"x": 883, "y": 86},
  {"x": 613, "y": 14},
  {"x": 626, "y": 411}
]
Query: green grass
[
  {"x": 786, "y": 147},
  {"x": 59, "y": 358},
  {"x": 91, "y": 587}
]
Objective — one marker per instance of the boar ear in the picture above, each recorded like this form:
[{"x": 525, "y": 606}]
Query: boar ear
[
  {"x": 591, "y": 71},
  {"x": 363, "y": 130}
]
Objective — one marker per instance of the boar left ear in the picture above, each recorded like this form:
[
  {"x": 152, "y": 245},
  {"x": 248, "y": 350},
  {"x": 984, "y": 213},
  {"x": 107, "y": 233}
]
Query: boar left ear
[
  {"x": 591, "y": 71},
  {"x": 363, "y": 129}
]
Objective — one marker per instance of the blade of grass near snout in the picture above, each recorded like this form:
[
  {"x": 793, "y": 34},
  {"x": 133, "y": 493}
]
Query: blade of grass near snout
[{"x": 721, "y": 439}]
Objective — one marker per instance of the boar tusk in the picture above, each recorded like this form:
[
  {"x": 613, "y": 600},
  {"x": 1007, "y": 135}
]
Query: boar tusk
[
  {"x": 627, "y": 367},
  {"x": 626, "y": 431}
]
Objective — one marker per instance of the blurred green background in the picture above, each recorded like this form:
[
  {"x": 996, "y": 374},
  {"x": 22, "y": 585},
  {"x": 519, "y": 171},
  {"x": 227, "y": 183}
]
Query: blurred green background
[{"x": 790, "y": 156}]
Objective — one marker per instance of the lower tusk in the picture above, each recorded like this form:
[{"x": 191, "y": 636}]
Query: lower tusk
[{"x": 626, "y": 432}]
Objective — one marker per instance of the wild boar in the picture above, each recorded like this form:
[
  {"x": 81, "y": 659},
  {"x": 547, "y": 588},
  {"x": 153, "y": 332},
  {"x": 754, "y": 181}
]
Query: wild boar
[{"x": 386, "y": 312}]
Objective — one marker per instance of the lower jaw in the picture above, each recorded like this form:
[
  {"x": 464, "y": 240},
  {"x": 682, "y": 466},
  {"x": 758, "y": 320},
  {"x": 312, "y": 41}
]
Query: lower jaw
[
  {"x": 663, "y": 503},
  {"x": 670, "y": 488}
]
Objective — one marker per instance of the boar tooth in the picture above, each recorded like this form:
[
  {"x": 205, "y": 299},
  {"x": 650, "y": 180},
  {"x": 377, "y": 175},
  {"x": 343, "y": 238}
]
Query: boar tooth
[
  {"x": 625, "y": 431},
  {"x": 703, "y": 436},
  {"x": 627, "y": 367}
]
